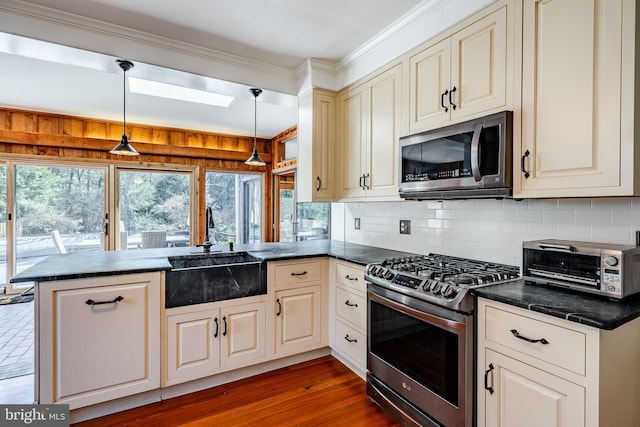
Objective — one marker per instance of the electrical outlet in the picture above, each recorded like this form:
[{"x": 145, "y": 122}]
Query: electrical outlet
[
  {"x": 356, "y": 223},
  {"x": 405, "y": 226}
]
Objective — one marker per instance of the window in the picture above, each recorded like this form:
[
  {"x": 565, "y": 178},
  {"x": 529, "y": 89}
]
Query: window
[
  {"x": 154, "y": 208},
  {"x": 236, "y": 201}
]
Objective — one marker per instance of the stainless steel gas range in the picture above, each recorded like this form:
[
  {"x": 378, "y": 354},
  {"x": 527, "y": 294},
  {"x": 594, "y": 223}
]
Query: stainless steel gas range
[{"x": 420, "y": 335}]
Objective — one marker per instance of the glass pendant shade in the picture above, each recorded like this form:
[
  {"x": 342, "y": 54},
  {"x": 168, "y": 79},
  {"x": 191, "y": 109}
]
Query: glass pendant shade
[
  {"x": 255, "y": 159},
  {"x": 124, "y": 147}
]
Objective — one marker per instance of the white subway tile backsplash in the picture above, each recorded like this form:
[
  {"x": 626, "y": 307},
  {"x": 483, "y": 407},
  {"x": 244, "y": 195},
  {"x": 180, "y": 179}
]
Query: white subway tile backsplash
[{"x": 489, "y": 229}]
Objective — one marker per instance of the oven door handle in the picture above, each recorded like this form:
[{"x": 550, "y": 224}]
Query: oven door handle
[
  {"x": 475, "y": 152},
  {"x": 427, "y": 317}
]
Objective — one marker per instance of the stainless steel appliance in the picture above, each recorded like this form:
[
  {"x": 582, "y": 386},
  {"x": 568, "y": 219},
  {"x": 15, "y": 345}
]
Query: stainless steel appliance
[
  {"x": 599, "y": 268},
  {"x": 465, "y": 160},
  {"x": 420, "y": 335}
]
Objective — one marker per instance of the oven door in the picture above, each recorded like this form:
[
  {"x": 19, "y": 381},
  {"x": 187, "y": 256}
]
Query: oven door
[{"x": 422, "y": 355}]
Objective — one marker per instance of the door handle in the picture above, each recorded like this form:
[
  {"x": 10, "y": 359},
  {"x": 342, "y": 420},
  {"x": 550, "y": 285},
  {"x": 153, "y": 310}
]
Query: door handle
[
  {"x": 445, "y": 93},
  {"x": 475, "y": 152},
  {"x": 486, "y": 379},
  {"x": 522, "y": 160},
  {"x": 450, "y": 98}
]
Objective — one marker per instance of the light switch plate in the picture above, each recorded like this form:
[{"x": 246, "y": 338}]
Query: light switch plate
[
  {"x": 356, "y": 223},
  {"x": 405, "y": 226}
]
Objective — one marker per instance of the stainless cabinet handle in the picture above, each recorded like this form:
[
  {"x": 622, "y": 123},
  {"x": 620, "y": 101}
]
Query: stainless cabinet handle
[
  {"x": 113, "y": 301},
  {"x": 517, "y": 335}
]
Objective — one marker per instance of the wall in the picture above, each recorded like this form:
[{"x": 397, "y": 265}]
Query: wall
[{"x": 490, "y": 230}]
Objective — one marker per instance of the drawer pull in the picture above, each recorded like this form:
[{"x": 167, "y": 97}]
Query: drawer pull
[
  {"x": 351, "y": 278},
  {"x": 304, "y": 273},
  {"x": 350, "y": 304},
  {"x": 517, "y": 335},
  {"x": 346, "y": 337},
  {"x": 113, "y": 301},
  {"x": 486, "y": 379},
  {"x": 217, "y": 327}
]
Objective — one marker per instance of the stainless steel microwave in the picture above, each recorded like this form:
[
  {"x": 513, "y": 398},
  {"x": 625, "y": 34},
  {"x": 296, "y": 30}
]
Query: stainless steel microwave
[{"x": 466, "y": 160}]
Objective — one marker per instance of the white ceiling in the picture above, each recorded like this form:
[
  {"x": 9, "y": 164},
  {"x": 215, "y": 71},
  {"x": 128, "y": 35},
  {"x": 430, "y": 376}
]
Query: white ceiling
[{"x": 41, "y": 76}]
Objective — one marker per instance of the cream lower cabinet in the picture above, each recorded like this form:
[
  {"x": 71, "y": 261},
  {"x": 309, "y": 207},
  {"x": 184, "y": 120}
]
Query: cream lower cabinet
[
  {"x": 205, "y": 342},
  {"x": 537, "y": 370},
  {"x": 300, "y": 304},
  {"x": 98, "y": 338},
  {"x": 369, "y": 123},
  {"x": 579, "y": 100},
  {"x": 348, "y": 314}
]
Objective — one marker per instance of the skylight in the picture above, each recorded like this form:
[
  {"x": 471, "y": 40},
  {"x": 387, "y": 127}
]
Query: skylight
[{"x": 163, "y": 90}]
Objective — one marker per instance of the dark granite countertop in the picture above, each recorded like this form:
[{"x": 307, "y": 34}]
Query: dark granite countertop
[
  {"x": 586, "y": 309},
  {"x": 91, "y": 264}
]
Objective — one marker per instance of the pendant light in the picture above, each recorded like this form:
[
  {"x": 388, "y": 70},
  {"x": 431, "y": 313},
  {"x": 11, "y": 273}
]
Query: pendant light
[
  {"x": 255, "y": 159},
  {"x": 124, "y": 148}
]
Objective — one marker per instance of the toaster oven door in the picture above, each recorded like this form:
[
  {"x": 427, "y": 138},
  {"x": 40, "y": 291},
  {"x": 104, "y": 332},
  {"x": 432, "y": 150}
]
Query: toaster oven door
[{"x": 563, "y": 268}]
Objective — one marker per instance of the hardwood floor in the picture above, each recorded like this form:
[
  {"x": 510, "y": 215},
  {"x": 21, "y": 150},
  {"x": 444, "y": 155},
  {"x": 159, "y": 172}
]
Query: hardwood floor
[{"x": 321, "y": 392}]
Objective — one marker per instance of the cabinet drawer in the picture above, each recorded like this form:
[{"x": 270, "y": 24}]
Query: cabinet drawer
[
  {"x": 351, "y": 308},
  {"x": 303, "y": 272},
  {"x": 566, "y": 348},
  {"x": 351, "y": 276},
  {"x": 351, "y": 343}
]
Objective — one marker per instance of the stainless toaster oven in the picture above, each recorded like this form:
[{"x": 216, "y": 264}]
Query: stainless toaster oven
[{"x": 599, "y": 268}]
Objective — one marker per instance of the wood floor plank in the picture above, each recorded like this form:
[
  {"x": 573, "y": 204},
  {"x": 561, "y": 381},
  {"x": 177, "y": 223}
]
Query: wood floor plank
[{"x": 321, "y": 392}]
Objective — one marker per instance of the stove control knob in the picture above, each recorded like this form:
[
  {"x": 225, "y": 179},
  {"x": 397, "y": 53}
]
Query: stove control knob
[
  {"x": 380, "y": 271},
  {"x": 435, "y": 287},
  {"x": 388, "y": 275},
  {"x": 611, "y": 261},
  {"x": 448, "y": 291}
]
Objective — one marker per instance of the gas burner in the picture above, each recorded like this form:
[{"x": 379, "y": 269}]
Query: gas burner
[{"x": 441, "y": 279}]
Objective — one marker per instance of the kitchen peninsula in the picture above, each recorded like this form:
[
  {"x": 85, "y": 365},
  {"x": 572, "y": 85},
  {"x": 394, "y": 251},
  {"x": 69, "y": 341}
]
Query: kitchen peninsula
[{"x": 106, "y": 341}]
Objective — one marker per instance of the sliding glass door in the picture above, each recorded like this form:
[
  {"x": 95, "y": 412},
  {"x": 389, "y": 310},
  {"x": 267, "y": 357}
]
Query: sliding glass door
[{"x": 57, "y": 209}]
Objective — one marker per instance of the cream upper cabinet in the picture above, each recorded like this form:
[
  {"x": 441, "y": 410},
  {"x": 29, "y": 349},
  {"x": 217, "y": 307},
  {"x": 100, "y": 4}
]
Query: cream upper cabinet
[
  {"x": 465, "y": 75},
  {"x": 578, "y": 98},
  {"x": 317, "y": 130},
  {"x": 369, "y": 125},
  {"x": 538, "y": 370},
  {"x": 98, "y": 338}
]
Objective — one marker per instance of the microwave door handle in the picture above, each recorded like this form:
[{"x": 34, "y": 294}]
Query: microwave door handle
[{"x": 475, "y": 152}]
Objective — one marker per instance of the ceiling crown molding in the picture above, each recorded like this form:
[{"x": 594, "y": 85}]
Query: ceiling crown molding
[
  {"x": 44, "y": 23},
  {"x": 316, "y": 73}
]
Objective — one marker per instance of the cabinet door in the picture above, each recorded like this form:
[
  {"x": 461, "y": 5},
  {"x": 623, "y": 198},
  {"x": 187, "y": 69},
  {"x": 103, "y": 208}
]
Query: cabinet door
[
  {"x": 193, "y": 348},
  {"x": 298, "y": 319},
  {"x": 353, "y": 137},
  {"x": 429, "y": 79},
  {"x": 385, "y": 101},
  {"x": 571, "y": 99},
  {"x": 528, "y": 397},
  {"x": 99, "y": 343},
  {"x": 243, "y": 334},
  {"x": 317, "y": 129},
  {"x": 478, "y": 66}
]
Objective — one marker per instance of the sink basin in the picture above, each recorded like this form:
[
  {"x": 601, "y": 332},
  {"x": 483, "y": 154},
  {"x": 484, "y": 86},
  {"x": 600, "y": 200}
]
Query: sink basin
[
  {"x": 209, "y": 277},
  {"x": 211, "y": 259}
]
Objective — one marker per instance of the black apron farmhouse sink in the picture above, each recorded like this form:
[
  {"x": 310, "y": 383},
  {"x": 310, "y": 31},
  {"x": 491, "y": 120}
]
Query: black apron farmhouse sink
[{"x": 210, "y": 277}]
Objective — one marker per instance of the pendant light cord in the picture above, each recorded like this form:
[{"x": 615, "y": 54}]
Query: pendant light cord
[
  {"x": 255, "y": 121},
  {"x": 124, "y": 101}
]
